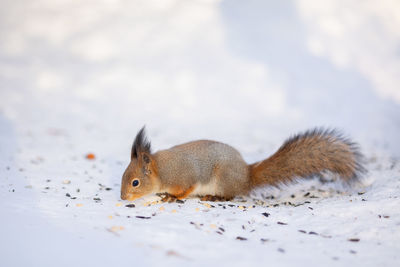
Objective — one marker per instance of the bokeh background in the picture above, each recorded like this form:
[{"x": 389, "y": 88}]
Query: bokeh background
[{"x": 202, "y": 69}]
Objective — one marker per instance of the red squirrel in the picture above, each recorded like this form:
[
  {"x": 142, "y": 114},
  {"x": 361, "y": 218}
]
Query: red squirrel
[{"x": 214, "y": 170}]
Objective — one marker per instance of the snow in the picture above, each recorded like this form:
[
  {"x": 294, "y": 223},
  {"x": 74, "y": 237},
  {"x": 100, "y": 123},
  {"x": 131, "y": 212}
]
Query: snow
[{"x": 79, "y": 78}]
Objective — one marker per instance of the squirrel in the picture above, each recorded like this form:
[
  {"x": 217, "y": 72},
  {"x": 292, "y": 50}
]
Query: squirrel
[{"x": 216, "y": 171}]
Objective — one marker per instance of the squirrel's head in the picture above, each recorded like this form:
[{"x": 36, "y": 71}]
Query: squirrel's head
[{"x": 140, "y": 177}]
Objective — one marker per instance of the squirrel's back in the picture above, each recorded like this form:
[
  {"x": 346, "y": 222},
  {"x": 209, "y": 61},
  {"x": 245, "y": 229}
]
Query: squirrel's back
[{"x": 204, "y": 163}]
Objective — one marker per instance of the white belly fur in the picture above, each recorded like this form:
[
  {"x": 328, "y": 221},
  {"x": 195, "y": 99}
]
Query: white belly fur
[{"x": 206, "y": 189}]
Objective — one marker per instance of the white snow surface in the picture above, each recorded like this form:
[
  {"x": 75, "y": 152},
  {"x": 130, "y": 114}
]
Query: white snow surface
[{"x": 83, "y": 77}]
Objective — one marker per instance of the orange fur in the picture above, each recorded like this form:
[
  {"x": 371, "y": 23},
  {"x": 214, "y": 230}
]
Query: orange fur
[{"x": 180, "y": 193}]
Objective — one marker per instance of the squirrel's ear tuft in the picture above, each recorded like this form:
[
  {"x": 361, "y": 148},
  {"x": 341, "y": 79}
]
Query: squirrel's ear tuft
[{"x": 141, "y": 144}]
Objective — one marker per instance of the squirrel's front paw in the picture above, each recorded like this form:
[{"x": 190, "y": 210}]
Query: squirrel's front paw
[{"x": 165, "y": 197}]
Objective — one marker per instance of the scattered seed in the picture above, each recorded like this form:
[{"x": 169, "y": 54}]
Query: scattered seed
[
  {"x": 307, "y": 194},
  {"x": 174, "y": 254},
  {"x": 281, "y": 223},
  {"x": 116, "y": 228},
  {"x": 266, "y": 214},
  {"x": 353, "y": 239},
  {"x": 281, "y": 250},
  {"x": 361, "y": 193},
  {"x": 353, "y": 251},
  {"x": 312, "y": 233},
  {"x": 79, "y": 205},
  {"x": 195, "y": 225},
  {"x": 143, "y": 217},
  {"x": 310, "y": 208},
  {"x": 241, "y": 238},
  {"x": 119, "y": 204},
  {"x": 161, "y": 209},
  {"x": 222, "y": 229},
  {"x": 66, "y": 182},
  {"x": 207, "y": 205},
  {"x": 302, "y": 231},
  {"x": 326, "y": 236},
  {"x": 109, "y": 216},
  {"x": 155, "y": 202},
  {"x": 213, "y": 226},
  {"x": 67, "y": 195},
  {"x": 97, "y": 199},
  {"x": 130, "y": 205}
]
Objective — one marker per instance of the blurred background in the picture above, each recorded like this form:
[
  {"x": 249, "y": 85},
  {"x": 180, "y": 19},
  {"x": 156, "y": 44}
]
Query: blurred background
[
  {"x": 79, "y": 77},
  {"x": 248, "y": 73}
]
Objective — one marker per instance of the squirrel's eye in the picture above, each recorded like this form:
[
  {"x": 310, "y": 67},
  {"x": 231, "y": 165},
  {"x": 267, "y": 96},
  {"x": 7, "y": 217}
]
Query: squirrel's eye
[{"x": 135, "y": 182}]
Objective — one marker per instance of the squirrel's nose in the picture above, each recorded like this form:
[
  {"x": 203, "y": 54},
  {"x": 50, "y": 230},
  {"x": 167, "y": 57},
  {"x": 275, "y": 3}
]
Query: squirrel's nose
[{"x": 123, "y": 196}]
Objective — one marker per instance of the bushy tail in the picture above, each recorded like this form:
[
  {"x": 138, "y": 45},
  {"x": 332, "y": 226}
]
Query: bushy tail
[{"x": 308, "y": 154}]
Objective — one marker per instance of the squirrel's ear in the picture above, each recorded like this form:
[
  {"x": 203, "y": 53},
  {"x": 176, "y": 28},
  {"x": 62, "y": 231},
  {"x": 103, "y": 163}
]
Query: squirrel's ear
[
  {"x": 141, "y": 144},
  {"x": 146, "y": 158}
]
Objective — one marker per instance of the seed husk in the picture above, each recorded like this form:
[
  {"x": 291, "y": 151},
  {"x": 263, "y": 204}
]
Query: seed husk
[{"x": 143, "y": 217}]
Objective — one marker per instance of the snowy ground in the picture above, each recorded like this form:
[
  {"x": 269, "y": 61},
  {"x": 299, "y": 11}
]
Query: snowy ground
[{"x": 79, "y": 78}]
